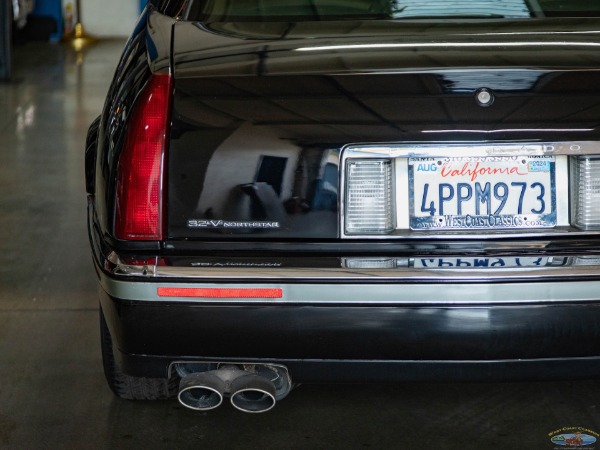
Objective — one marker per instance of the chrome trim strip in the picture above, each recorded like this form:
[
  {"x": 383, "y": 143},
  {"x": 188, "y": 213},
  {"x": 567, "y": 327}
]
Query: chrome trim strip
[
  {"x": 396, "y": 275},
  {"x": 319, "y": 293},
  {"x": 584, "y": 267}
]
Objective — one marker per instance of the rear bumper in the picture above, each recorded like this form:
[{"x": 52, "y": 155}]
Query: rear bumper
[
  {"x": 551, "y": 336},
  {"x": 334, "y": 323}
]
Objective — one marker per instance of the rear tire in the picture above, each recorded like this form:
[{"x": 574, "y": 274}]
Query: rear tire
[{"x": 127, "y": 386}]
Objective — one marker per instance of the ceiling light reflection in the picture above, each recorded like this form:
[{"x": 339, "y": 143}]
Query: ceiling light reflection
[
  {"x": 446, "y": 45},
  {"x": 516, "y": 130}
]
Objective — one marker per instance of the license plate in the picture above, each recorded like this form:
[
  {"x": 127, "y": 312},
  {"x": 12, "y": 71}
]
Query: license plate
[{"x": 482, "y": 192}]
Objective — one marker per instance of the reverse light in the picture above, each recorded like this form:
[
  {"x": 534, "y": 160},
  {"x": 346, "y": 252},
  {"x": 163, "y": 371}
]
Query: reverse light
[
  {"x": 585, "y": 192},
  {"x": 369, "y": 197},
  {"x": 140, "y": 181}
]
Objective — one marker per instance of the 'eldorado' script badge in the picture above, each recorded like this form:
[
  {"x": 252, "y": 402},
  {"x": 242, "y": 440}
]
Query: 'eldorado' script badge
[{"x": 221, "y": 224}]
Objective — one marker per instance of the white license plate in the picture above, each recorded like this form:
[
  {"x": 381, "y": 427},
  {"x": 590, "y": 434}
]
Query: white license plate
[{"x": 482, "y": 192}]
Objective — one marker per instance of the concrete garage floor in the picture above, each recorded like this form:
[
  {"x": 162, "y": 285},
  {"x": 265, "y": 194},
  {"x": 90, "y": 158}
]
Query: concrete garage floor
[{"x": 52, "y": 390}]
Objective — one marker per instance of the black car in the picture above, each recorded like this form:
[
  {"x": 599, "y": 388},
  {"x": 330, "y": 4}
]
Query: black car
[{"x": 287, "y": 192}]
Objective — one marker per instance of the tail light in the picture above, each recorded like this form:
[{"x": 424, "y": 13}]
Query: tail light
[
  {"x": 141, "y": 176},
  {"x": 369, "y": 207},
  {"x": 585, "y": 191}
]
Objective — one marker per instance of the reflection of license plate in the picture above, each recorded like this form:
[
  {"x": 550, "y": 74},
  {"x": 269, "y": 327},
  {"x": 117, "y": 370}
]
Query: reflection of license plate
[
  {"x": 482, "y": 192},
  {"x": 480, "y": 263}
]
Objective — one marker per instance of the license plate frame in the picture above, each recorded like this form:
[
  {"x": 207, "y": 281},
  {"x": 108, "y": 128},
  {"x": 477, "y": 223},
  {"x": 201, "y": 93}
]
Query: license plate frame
[{"x": 524, "y": 181}]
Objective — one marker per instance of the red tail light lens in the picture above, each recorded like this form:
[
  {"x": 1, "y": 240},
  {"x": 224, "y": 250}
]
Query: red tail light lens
[{"x": 140, "y": 180}]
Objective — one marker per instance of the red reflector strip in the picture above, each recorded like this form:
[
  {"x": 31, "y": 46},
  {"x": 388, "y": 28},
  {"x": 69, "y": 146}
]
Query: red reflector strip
[{"x": 221, "y": 292}]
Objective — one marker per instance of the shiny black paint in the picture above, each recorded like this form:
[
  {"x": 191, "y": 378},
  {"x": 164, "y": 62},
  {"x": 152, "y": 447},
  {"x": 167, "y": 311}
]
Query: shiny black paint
[
  {"x": 91, "y": 149},
  {"x": 246, "y": 82},
  {"x": 255, "y": 90},
  {"x": 224, "y": 246}
]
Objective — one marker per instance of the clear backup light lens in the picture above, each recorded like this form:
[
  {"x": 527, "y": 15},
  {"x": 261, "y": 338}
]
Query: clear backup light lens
[
  {"x": 369, "y": 197},
  {"x": 586, "y": 193}
]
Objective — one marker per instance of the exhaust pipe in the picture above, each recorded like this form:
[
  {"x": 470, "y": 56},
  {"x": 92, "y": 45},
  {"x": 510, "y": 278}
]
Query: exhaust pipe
[
  {"x": 252, "y": 393},
  {"x": 249, "y": 392},
  {"x": 201, "y": 391}
]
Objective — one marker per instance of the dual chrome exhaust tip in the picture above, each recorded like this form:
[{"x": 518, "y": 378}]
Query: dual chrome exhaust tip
[{"x": 253, "y": 391}]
